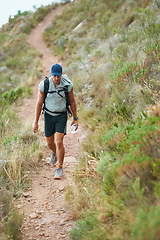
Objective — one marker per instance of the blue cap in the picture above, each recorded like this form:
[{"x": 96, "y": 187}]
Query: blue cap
[{"x": 56, "y": 69}]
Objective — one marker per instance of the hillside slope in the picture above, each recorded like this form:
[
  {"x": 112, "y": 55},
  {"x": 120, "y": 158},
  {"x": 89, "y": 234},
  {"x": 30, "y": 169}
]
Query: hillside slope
[{"x": 111, "y": 50}]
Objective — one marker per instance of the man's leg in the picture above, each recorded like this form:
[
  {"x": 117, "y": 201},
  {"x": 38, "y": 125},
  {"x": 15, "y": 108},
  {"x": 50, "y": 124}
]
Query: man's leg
[
  {"x": 59, "y": 148},
  {"x": 51, "y": 144}
]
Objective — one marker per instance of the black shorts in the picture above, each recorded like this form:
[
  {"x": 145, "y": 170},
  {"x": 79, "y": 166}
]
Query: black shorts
[{"x": 53, "y": 124}]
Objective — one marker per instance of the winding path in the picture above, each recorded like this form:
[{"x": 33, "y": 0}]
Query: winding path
[{"x": 46, "y": 213}]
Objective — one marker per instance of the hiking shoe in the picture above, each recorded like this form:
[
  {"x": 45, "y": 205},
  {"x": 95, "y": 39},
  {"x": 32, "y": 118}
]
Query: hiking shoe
[
  {"x": 53, "y": 158},
  {"x": 59, "y": 174}
]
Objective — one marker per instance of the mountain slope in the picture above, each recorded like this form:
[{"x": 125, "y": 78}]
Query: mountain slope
[{"x": 111, "y": 51}]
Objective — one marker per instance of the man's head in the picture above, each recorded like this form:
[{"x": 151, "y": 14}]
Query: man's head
[{"x": 56, "y": 70}]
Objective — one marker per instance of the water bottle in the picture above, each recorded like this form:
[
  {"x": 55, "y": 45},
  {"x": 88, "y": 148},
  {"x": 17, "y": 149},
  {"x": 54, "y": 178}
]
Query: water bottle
[{"x": 73, "y": 127}]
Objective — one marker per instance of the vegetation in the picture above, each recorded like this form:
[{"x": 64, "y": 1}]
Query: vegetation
[
  {"x": 21, "y": 151},
  {"x": 111, "y": 52}
]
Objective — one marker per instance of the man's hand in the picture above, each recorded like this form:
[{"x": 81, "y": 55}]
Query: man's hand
[
  {"x": 38, "y": 110},
  {"x": 35, "y": 127},
  {"x": 76, "y": 123},
  {"x": 73, "y": 108}
]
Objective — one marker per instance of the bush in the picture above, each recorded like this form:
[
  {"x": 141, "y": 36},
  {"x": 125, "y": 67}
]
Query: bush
[
  {"x": 147, "y": 224},
  {"x": 8, "y": 120},
  {"x": 88, "y": 229},
  {"x": 14, "y": 224},
  {"x": 10, "y": 220},
  {"x": 143, "y": 141},
  {"x": 5, "y": 200},
  {"x": 10, "y": 96}
]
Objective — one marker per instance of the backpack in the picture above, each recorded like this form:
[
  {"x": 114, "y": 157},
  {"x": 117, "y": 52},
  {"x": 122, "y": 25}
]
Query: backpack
[{"x": 65, "y": 89}]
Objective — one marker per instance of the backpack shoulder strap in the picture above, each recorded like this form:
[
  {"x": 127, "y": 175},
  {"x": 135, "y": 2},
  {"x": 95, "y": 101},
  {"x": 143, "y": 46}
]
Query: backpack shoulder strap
[
  {"x": 46, "y": 88},
  {"x": 65, "y": 89}
]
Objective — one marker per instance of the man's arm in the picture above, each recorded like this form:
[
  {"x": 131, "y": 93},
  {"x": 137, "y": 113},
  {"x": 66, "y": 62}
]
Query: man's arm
[
  {"x": 38, "y": 110},
  {"x": 73, "y": 107}
]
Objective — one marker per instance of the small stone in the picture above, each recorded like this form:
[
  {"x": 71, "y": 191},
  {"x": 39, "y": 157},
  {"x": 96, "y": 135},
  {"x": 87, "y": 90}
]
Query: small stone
[
  {"x": 19, "y": 206},
  {"x": 39, "y": 211},
  {"x": 25, "y": 194},
  {"x": 63, "y": 210},
  {"x": 62, "y": 223},
  {"x": 41, "y": 234},
  {"x": 61, "y": 189},
  {"x": 46, "y": 235},
  {"x": 33, "y": 215}
]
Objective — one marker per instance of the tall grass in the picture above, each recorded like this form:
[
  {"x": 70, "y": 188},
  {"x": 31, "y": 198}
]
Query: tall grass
[
  {"x": 113, "y": 60},
  {"x": 21, "y": 150}
]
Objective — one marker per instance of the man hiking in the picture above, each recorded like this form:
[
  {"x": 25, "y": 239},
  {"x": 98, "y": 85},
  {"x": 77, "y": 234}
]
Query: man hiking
[{"x": 55, "y": 113}]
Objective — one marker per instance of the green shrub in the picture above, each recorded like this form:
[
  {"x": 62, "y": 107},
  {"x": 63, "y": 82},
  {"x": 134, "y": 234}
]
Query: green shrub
[
  {"x": 85, "y": 229},
  {"x": 109, "y": 182},
  {"x": 143, "y": 141},
  {"x": 147, "y": 224},
  {"x": 137, "y": 188},
  {"x": 14, "y": 224},
  {"x": 105, "y": 163},
  {"x": 9, "y": 96},
  {"x": 123, "y": 75},
  {"x": 6, "y": 198},
  {"x": 41, "y": 12},
  {"x": 8, "y": 120},
  {"x": 12, "y": 95},
  {"x": 19, "y": 91},
  {"x": 116, "y": 139},
  {"x": 10, "y": 219},
  {"x": 12, "y": 63}
]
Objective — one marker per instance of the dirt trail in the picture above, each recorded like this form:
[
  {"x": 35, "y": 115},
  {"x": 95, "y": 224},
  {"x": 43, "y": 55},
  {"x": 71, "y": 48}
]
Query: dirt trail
[{"x": 46, "y": 214}]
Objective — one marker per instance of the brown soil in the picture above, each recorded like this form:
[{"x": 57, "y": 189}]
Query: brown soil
[{"x": 46, "y": 215}]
